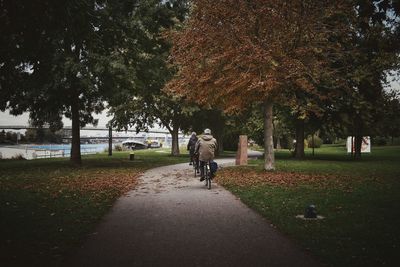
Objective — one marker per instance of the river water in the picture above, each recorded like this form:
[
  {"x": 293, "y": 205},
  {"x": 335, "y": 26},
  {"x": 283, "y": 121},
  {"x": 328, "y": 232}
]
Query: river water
[{"x": 48, "y": 150}]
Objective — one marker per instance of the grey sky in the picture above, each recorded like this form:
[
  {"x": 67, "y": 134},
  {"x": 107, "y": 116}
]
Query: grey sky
[{"x": 7, "y": 119}]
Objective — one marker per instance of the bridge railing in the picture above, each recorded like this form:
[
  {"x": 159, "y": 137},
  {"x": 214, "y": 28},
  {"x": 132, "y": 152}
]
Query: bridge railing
[{"x": 47, "y": 153}]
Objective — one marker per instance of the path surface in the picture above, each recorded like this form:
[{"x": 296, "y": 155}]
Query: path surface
[{"x": 171, "y": 219}]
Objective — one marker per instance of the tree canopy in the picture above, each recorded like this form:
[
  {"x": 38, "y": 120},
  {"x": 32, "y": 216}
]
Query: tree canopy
[
  {"x": 144, "y": 104},
  {"x": 76, "y": 56},
  {"x": 65, "y": 61},
  {"x": 236, "y": 52},
  {"x": 322, "y": 62}
]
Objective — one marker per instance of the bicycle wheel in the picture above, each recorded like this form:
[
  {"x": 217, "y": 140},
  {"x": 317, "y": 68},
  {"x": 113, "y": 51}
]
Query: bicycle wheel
[{"x": 208, "y": 176}]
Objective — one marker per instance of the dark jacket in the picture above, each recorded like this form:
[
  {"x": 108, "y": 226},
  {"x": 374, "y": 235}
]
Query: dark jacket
[{"x": 192, "y": 144}]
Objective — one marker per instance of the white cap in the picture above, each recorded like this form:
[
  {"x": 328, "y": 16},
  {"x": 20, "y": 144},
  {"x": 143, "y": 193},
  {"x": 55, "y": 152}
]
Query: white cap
[
  {"x": 207, "y": 131},
  {"x": 193, "y": 133}
]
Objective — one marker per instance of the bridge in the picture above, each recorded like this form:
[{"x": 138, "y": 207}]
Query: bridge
[
  {"x": 107, "y": 138},
  {"x": 24, "y": 127}
]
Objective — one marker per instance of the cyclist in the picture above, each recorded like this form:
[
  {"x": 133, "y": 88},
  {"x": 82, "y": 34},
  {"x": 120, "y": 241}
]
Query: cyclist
[
  {"x": 205, "y": 147},
  {"x": 191, "y": 147}
]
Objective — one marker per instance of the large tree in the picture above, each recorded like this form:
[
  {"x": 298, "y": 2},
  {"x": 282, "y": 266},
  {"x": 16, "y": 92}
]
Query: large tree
[
  {"x": 390, "y": 122},
  {"x": 376, "y": 38},
  {"x": 62, "y": 58},
  {"x": 234, "y": 53},
  {"x": 371, "y": 50},
  {"x": 143, "y": 104}
]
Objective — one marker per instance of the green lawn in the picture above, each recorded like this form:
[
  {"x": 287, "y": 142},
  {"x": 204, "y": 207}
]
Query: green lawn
[
  {"x": 47, "y": 206},
  {"x": 360, "y": 201}
]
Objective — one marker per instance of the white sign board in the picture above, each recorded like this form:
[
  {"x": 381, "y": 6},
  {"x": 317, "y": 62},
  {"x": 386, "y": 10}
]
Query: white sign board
[{"x": 365, "y": 145}]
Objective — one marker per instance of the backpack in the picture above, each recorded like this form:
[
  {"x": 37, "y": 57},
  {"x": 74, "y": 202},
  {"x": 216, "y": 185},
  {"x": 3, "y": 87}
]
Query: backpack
[{"x": 213, "y": 167}]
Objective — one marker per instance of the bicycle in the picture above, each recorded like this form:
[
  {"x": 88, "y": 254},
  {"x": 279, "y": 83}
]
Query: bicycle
[
  {"x": 207, "y": 174},
  {"x": 196, "y": 166}
]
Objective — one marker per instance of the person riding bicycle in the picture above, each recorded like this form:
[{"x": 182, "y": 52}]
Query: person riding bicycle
[
  {"x": 191, "y": 146},
  {"x": 205, "y": 147}
]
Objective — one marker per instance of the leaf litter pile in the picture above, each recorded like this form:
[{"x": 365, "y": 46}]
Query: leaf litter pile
[
  {"x": 245, "y": 177},
  {"x": 82, "y": 181},
  {"x": 99, "y": 181},
  {"x": 56, "y": 208}
]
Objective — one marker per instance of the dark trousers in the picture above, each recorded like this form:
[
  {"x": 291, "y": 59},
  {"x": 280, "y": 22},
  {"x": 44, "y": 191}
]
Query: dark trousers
[{"x": 202, "y": 164}]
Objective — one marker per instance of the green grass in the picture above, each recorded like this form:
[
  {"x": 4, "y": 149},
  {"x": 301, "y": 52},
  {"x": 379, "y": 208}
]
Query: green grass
[
  {"x": 334, "y": 160},
  {"x": 45, "y": 213},
  {"x": 48, "y": 206},
  {"x": 361, "y": 207}
]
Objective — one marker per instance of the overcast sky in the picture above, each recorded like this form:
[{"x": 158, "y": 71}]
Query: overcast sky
[{"x": 7, "y": 119}]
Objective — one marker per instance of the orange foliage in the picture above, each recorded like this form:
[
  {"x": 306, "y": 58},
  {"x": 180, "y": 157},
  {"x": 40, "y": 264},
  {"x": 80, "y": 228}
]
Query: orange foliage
[
  {"x": 101, "y": 182},
  {"x": 111, "y": 182},
  {"x": 245, "y": 177},
  {"x": 230, "y": 53}
]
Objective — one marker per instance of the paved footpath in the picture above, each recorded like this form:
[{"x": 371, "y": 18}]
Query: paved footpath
[{"x": 171, "y": 219}]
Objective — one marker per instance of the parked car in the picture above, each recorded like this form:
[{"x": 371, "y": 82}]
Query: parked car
[{"x": 154, "y": 144}]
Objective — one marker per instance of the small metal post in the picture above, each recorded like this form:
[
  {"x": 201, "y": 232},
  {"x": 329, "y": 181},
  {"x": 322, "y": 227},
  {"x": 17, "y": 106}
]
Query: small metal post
[
  {"x": 110, "y": 141},
  {"x": 313, "y": 144},
  {"x": 310, "y": 212}
]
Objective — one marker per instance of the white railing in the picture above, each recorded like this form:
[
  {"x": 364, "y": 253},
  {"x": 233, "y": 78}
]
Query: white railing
[{"x": 45, "y": 153}]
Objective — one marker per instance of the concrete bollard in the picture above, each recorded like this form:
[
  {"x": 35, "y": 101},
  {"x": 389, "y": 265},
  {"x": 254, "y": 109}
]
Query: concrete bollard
[{"x": 241, "y": 154}]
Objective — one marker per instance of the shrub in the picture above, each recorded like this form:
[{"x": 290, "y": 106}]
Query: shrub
[
  {"x": 230, "y": 141},
  {"x": 118, "y": 148},
  {"x": 18, "y": 157},
  {"x": 316, "y": 144},
  {"x": 395, "y": 141},
  {"x": 379, "y": 141},
  {"x": 340, "y": 141}
]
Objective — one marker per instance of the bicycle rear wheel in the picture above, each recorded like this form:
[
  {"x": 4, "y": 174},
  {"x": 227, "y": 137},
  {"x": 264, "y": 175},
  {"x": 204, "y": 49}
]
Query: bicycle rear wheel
[{"x": 208, "y": 176}]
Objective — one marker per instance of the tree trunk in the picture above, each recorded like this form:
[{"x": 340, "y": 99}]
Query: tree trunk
[
  {"x": 110, "y": 141},
  {"x": 220, "y": 146},
  {"x": 299, "y": 149},
  {"x": 219, "y": 136},
  {"x": 313, "y": 144},
  {"x": 278, "y": 143},
  {"x": 357, "y": 146},
  {"x": 358, "y": 137},
  {"x": 76, "y": 139},
  {"x": 175, "y": 143},
  {"x": 269, "y": 163},
  {"x": 352, "y": 146}
]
